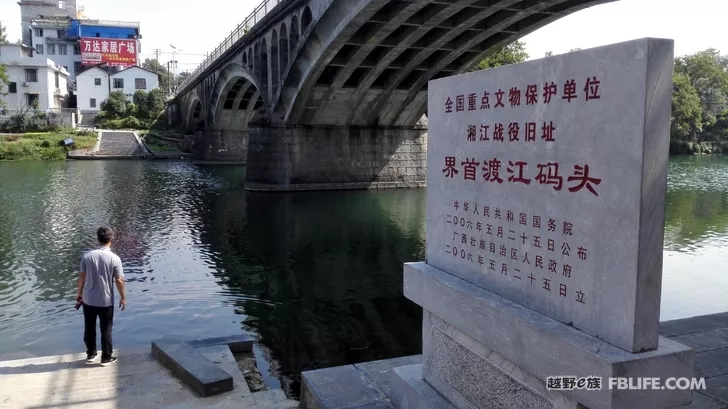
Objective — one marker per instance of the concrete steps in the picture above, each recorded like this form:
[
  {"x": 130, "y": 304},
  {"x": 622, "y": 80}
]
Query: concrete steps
[{"x": 115, "y": 143}]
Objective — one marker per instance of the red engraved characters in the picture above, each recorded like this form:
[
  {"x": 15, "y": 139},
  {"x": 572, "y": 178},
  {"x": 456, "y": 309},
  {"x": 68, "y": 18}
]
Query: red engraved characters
[
  {"x": 514, "y": 96},
  {"x": 498, "y": 132},
  {"x": 549, "y": 90},
  {"x": 491, "y": 171},
  {"x": 530, "y": 131},
  {"x": 470, "y": 167},
  {"x": 513, "y": 129},
  {"x": 517, "y": 175},
  {"x": 448, "y": 105},
  {"x": 484, "y": 132},
  {"x": 449, "y": 169},
  {"x": 531, "y": 94},
  {"x": 581, "y": 176},
  {"x": 460, "y": 103},
  {"x": 472, "y": 100},
  {"x": 548, "y": 174},
  {"x": 484, "y": 103},
  {"x": 569, "y": 90},
  {"x": 591, "y": 89},
  {"x": 548, "y": 131},
  {"x": 471, "y": 133},
  {"x": 499, "y": 98}
]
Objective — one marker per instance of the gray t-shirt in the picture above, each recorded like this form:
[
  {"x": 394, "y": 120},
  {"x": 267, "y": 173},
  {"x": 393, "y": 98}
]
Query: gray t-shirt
[{"x": 101, "y": 266}]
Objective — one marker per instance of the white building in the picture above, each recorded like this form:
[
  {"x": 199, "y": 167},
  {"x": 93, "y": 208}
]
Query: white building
[
  {"x": 96, "y": 83},
  {"x": 50, "y": 40},
  {"x": 32, "y": 79}
]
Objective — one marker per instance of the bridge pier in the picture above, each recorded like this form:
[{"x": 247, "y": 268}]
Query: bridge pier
[
  {"x": 223, "y": 145},
  {"x": 285, "y": 157}
]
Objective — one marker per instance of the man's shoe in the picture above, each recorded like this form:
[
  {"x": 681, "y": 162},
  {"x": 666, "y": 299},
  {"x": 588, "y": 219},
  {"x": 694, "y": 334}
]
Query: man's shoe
[
  {"x": 90, "y": 358},
  {"x": 108, "y": 361}
]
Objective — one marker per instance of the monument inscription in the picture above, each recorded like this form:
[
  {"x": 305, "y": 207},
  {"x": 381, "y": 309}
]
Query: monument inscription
[{"x": 546, "y": 185}]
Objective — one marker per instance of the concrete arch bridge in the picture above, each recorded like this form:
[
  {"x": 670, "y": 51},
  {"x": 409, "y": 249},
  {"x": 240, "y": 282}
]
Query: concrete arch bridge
[{"x": 332, "y": 94}]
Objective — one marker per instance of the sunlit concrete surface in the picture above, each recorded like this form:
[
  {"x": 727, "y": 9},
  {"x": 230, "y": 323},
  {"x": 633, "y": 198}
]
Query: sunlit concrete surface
[{"x": 136, "y": 381}]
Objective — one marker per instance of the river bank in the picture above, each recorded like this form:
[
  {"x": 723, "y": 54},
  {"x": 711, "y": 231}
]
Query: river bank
[{"x": 43, "y": 145}]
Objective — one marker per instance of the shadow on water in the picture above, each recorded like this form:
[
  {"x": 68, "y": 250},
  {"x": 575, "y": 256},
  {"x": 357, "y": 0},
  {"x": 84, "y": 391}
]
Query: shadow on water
[{"x": 321, "y": 273}]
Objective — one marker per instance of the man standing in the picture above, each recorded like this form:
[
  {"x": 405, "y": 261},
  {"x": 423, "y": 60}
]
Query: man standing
[{"x": 100, "y": 268}]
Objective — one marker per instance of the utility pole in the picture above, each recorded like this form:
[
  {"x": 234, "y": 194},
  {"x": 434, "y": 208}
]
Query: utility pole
[
  {"x": 156, "y": 54},
  {"x": 169, "y": 81}
]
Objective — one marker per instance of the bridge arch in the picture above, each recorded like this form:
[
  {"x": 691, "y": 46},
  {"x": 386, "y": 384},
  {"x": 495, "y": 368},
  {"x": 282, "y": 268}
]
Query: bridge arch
[
  {"x": 283, "y": 49},
  {"x": 382, "y": 57},
  {"x": 235, "y": 97},
  {"x": 294, "y": 34},
  {"x": 274, "y": 59}
]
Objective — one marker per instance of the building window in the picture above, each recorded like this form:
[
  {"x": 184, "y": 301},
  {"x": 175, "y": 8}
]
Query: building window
[
  {"x": 61, "y": 4},
  {"x": 60, "y": 33},
  {"x": 32, "y": 100},
  {"x": 76, "y": 49},
  {"x": 38, "y": 32},
  {"x": 92, "y": 102},
  {"x": 77, "y": 66},
  {"x": 58, "y": 81},
  {"x": 51, "y": 49},
  {"x": 31, "y": 75},
  {"x": 118, "y": 83},
  {"x": 97, "y": 81},
  {"x": 62, "y": 49},
  {"x": 13, "y": 87},
  {"x": 140, "y": 83},
  {"x": 39, "y": 48}
]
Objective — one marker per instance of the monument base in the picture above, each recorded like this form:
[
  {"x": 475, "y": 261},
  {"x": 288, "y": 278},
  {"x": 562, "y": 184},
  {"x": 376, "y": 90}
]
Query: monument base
[{"x": 483, "y": 351}]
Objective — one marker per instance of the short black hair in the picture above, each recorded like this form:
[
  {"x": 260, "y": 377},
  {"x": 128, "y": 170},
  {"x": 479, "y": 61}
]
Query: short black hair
[{"x": 104, "y": 234}]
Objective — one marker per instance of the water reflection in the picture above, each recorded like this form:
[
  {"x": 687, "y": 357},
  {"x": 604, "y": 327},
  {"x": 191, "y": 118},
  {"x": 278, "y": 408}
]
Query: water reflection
[{"x": 316, "y": 276}]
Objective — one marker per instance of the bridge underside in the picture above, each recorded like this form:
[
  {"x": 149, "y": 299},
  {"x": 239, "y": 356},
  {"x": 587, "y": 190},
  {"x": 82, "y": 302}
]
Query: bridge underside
[{"x": 343, "y": 98}]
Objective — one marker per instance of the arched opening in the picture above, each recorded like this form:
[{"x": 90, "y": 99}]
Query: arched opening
[
  {"x": 283, "y": 49},
  {"x": 256, "y": 60},
  {"x": 264, "y": 67},
  {"x": 294, "y": 33},
  {"x": 275, "y": 74},
  {"x": 305, "y": 19},
  {"x": 250, "y": 60},
  {"x": 245, "y": 59}
]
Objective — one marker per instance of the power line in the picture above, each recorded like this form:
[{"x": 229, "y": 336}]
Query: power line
[{"x": 167, "y": 52}]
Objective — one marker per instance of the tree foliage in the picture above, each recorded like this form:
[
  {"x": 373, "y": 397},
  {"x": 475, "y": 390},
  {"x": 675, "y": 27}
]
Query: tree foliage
[
  {"x": 115, "y": 106},
  {"x": 511, "y": 54},
  {"x": 3, "y": 34},
  {"x": 155, "y": 66},
  {"x": 700, "y": 97}
]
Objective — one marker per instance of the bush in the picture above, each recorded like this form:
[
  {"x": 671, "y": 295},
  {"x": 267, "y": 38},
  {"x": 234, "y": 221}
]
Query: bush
[
  {"x": 131, "y": 123},
  {"x": 115, "y": 106}
]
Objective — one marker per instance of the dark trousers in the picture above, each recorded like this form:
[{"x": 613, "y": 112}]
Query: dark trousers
[{"x": 106, "y": 321}]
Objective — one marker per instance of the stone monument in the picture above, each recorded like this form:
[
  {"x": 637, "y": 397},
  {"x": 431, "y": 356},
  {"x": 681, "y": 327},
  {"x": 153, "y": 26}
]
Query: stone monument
[{"x": 545, "y": 218}]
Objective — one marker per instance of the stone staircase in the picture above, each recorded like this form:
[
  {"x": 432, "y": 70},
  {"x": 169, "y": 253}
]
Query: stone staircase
[
  {"x": 88, "y": 120},
  {"x": 119, "y": 144}
]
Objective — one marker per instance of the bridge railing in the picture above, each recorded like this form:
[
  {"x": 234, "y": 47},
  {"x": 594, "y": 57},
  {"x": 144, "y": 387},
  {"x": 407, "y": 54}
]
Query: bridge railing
[{"x": 235, "y": 35}]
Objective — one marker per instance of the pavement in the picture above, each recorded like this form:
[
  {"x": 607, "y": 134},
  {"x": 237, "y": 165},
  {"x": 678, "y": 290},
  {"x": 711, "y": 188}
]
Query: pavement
[
  {"x": 135, "y": 381},
  {"x": 113, "y": 145}
]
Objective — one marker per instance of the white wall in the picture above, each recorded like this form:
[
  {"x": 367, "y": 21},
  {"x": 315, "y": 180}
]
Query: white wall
[
  {"x": 15, "y": 65},
  {"x": 129, "y": 76},
  {"x": 66, "y": 60},
  {"x": 87, "y": 89}
]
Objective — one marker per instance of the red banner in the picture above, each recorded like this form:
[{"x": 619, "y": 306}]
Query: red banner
[{"x": 113, "y": 51}]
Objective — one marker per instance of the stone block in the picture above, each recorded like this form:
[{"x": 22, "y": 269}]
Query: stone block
[
  {"x": 694, "y": 324},
  {"x": 339, "y": 388},
  {"x": 701, "y": 401},
  {"x": 237, "y": 343},
  {"x": 543, "y": 346},
  {"x": 712, "y": 363},
  {"x": 410, "y": 391},
  {"x": 717, "y": 388},
  {"x": 620, "y": 137},
  {"x": 201, "y": 375},
  {"x": 379, "y": 371}
]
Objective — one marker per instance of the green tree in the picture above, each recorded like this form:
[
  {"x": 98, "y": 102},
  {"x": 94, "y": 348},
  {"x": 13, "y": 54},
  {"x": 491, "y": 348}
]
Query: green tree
[
  {"x": 707, "y": 71},
  {"x": 140, "y": 101},
  {"x": 4, "y": 81},
  {"x": 180, "y": 78},
  {"x": 115, "y": 106},
  {"x": 687, "y": 111},
  {"x": 154, "y": 66},
  {"x": 3, "y": 34},
  {"x": 156, "y": 102},
  {"x": 511, "y": 54}
]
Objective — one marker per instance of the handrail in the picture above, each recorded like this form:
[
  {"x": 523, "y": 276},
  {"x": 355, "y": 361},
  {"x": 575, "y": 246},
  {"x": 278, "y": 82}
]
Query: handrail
[{"x": 265, "y": 7}]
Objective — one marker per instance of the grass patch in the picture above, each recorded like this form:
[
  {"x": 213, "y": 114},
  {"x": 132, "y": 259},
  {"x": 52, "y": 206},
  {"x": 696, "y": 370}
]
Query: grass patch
[
  {"x": 42, "y": 145},
  {"x": 158, "y": 145}
]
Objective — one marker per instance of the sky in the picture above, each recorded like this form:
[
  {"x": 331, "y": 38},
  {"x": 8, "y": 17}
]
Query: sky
[{"x": 198, "y": 27}]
